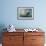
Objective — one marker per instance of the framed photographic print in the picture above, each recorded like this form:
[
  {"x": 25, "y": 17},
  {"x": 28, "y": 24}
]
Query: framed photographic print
[{"x": 25, "y": 13}]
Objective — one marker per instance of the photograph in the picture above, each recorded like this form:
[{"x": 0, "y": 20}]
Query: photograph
[{"x": 25, "y": 13}]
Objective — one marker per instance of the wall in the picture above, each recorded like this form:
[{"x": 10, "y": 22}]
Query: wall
[{"x": 9, "y": 13}]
